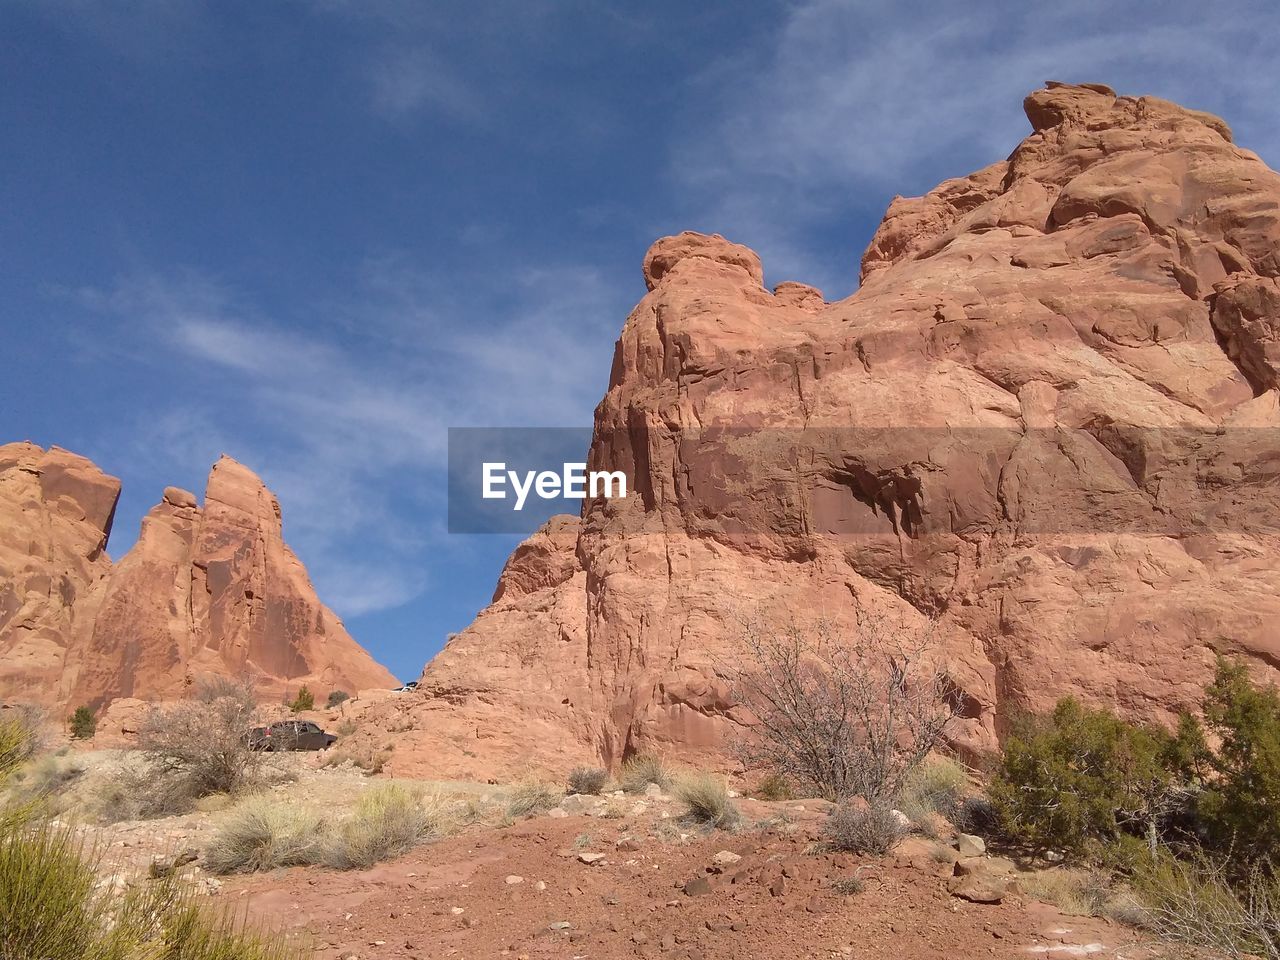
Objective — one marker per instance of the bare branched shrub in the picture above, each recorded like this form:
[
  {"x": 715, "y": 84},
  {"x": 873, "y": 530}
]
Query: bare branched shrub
[
  {"x": 873, "y": 829},
  {"x": 844, "y": 715},
  {"x": 588, "y": 780},
  {"x": 203, "y": 744}
]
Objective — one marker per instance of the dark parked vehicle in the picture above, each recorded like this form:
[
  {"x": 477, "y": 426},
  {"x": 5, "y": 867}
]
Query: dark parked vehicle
[{"x": 290, "y": 735}]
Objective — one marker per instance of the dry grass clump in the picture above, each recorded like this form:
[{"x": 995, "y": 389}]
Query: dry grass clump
[
  {"x": 1199, "y": 903},
  {"x": 366, "y": 757},
  {"x": 873, "y": 830},
  {"x": 642, "y": 770},
  {"x": 774, "y": 786},
  {"x": 933, "y": 789},
  {"x": 588, "y": 780},
  {"x": 1076, "y": 892},
  {"x": 261, "y": 834},
  {"x": 389, "y": 820},
  {"x": 45, "y": 777},
  {"x": 531, "y": 797},
  {"x": 706, "y": 801}
]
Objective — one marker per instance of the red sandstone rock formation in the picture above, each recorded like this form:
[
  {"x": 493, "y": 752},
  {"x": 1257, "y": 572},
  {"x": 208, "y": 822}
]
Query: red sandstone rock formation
[
  {"x": 210, "y": 591},
  {"x": 1049, "y": 419},
  {"x": 55, "y": 516}
]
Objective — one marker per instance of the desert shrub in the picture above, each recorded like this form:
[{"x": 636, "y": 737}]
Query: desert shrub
[
  {"x": 346, "y": 728},
  {"x": 531, "y": 797},
  {"x": 706, "y": 800},
  {"x": 975, "y": 814},
  {"x": 589, "y": 780},
  {"x": 337, "y": 697},
  {"x": 83, "y": 723},
  {"x": 46, "y": 776},
  {"x": 845, "y": 716},
  {"x": 774, "y": 786},
  {"x": 1080, "y": 777},
  {"x": 305, "y": 700},
  {"x": 21, "y": 736},
  {"x": 643, "y": 769},
  {"x": 848, "y": 886},
  {"x": 873, "y": 829},
  {"x": 53, "y": 907},
  {"x": 1076, "y": 892},
  {"x": 389, "y": 820},
  {"x": 366, "y": 757},
  {"x": 200, "y": 746},
  {"x": 261, "y": 834},
  {"x": 936, "y": 787},
  {"x": 1202, "y": 902},
  {"x": 1240, "y": 804}
]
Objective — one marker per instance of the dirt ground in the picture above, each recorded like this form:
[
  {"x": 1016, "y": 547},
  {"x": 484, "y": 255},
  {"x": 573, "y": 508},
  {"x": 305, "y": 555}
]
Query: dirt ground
[{"x": 525, "y": 891}]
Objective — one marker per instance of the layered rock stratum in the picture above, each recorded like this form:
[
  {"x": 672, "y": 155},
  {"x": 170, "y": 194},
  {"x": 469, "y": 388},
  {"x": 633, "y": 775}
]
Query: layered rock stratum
[
  {"x": 206, "y": 591},
  {"x": 1047, "y": 422}
]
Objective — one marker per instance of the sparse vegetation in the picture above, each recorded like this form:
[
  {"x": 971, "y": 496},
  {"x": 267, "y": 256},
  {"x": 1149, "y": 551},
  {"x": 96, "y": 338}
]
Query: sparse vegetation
[
  {"x": 199, "y": 747},
  {"x": 1079, "y": 892},
  {"x": 873, "y": 829},
  {"x": 46, "y": 776},
  {"x": 21, "y": 736},
  {"x": 389, "y": 820},
  {"x": 531, "y": 797},
  {"x": 366, "y": 757},
  {"x": 305, "y": 700},
  {"x": 588, "y": 780},
  {"x": 706, "y": 801},
  {"x": 83, "y": 723},
  {"x": 934, "y": 789},
  {"x": 848, "y": 886},
  {"x": 337, "y": 698},
  {"x": 643, "y": 769},
  {"x": 843, "y": 715},
  {"x": 52, "y": 907},
  {"x": 1201, "y": 902},
  {"x": 774, "y": 786},
  {"x": 261, "y": 834}
]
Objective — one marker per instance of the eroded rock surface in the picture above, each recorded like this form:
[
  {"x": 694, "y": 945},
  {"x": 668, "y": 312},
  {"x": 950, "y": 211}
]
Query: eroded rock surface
[
  {"x": 206, "y": 591},
  {"x": 1047, "y": 419}
]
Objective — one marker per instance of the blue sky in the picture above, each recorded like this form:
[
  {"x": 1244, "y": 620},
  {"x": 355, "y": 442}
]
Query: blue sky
[{"x": 314, "y": 235}]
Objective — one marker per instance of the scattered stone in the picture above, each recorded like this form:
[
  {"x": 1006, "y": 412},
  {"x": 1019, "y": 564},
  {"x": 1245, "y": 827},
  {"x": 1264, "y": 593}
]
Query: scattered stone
[
  {"x": 697, "y": 887},
  {"x": 514, "y": 879},
  {"x": 970, "y": 846},
  {"x": 725, "y": 858},
  {"x": 560, "y": 925},
  {"x": 590, "y": 859}
]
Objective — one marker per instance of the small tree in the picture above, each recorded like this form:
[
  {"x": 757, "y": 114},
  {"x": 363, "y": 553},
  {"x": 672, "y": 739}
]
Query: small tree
[
  {"x": 1080, "y": 776},
  {"x": 846, "y": 716},
  {"x": 337, "y": 697},
  {"x": 83, "y": 723},
  {"x": 304, "y": 701},
  {"x": 1241, "y": 803}
]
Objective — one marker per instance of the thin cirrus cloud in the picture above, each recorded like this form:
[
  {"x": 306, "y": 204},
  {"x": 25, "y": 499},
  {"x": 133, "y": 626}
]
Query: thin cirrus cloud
[
  {"x": 852, "y": 103},
  {"x": 346, "y": 417}
]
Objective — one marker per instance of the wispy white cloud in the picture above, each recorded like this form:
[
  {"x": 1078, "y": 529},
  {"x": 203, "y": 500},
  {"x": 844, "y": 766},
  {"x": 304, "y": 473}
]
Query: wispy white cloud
[
  {"x": 854, "y": 102},
  {"x": 346, "y": 416},
  {"x": 407, "y": 82}
]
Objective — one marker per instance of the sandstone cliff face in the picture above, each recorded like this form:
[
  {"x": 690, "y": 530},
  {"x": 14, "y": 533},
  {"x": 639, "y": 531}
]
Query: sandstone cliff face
[
  {"x": 210, "y": 591},
  {"x": 1048, "y": 419},
  {"x": 55, "y": 517}
]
